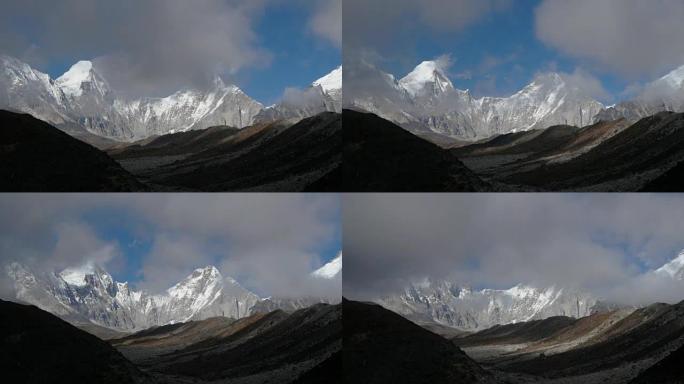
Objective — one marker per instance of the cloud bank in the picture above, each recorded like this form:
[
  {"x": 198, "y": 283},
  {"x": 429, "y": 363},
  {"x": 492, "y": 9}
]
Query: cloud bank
[
  {"x": 152, "y": 47},
  {"x": 633, "y": 37},
  {"x": 269, "y": 242},
  {"x": 604, "y": 244}
]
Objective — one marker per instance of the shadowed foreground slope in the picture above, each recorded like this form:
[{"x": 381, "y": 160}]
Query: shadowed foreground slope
[
  {"x": 381, "y": 347},
  {"x": 38, "y": 347},
  {"x": 380, "y": 156},
  {"x": 35, "y": 156}
]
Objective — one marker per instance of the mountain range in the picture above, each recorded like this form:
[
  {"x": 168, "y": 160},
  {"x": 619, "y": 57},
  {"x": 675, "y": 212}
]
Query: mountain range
[
  {"x": 88, "y": 294},
  {"x": 81, "y": 100},
  {"x": 455, "y": 305},
  {"x": 426, "y": 102}
]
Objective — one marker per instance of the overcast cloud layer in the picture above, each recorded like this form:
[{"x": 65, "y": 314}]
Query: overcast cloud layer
[
  {"x": 630, "y": 37},
  {"x": 381, "y": 28},
  {"x": 268, "y": 242},
  {"x": 151, "y": 47},
  {"x": 601, "y": 243}
]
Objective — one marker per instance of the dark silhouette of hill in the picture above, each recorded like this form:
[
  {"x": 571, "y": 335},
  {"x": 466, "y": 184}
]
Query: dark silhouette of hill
[
  {"x": 525, "y": 332},
  {"x": 380, "y": 156},
  {"x": 381, "y": 346},
  {"x": 38, "y": 347},
  {"x": 35, "y": 156}
]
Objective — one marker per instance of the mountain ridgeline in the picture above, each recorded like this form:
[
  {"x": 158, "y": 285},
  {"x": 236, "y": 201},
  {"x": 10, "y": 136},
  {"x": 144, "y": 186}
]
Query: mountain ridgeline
[
  {"x": 426, "y": 101},
  {"x": 88, "y": 295},
  {"x": 81, "y": 100}
]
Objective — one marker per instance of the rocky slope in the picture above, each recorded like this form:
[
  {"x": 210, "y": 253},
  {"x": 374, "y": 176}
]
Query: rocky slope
[
  {"x": 264, "y": 348},
  {"x": 275, "y": 156},
  {"x": 426, "y": 101}
]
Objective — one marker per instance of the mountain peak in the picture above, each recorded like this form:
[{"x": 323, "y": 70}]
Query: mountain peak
[
  {"x": 83, "y": 72},
  {"x": 330, "y": 269},
  {"x": 674, "y": 79},
  {"x": 426, "y": 73},
  {"x": 330, "y": 82},
  {"x": 674, "y": 268}
]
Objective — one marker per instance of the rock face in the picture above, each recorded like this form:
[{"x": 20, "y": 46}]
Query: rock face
[
  {"x": 453, "y": 305},
  {"x": 426, "y": 101},
  {"x": 89, "y": 294},
  {"x": 82, "y": 98}
]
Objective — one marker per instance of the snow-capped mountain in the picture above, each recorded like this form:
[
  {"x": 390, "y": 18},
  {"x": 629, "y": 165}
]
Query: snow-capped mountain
[
  {"x": 25, "y": 89},
  {"x": 674, "y": 268},
  {"x": 426, "y": 100},
  {"x": 324, "y": 94},
  {"x": 663, "y": 94},
  {"x": 89, "y": 293},
  {"x": 82, "y": 98},
  {"x": 457, "y": 306},
  {"x": 331, "y": 269}
]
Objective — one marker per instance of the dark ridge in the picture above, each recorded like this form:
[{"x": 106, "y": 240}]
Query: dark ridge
[
  {"x": 302, "y": 339},
  {"x": 644, "y": 333},
  {"x": 380, "y": 156},
  {"x": 670, "y": 370},
  {"x": 380, "y": 346},
  {"x": 670, "y": 181},
  {"x": 264, "y": 157},
  {"x": 175, "y": 144},
  {"x": 37, "y": 157},
  {"x": 652, "y": 144},
  {"x": 38, "y": 347},
  {"x": 517, "y": 333}
]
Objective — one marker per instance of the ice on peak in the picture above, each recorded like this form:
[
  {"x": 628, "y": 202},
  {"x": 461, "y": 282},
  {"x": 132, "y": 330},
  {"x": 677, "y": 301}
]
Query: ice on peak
[
  {"x": 76, "y": 276},
  {"x": 330, "y": 82},
  {"x": 427, "y": 72},
  {"x": 675, "y": 78},
  {"x": 674, "y": 268},
  {"x": 330, "y": 269}
]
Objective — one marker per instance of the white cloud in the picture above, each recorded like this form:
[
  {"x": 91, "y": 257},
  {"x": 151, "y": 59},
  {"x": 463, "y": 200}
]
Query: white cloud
[
  {"x": 327, "y": 21},
  {"x": 631, "y": 37}
]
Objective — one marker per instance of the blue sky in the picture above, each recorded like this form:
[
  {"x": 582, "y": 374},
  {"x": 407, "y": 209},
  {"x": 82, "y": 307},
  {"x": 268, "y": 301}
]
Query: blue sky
[{"x": 264, "y": 45}]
